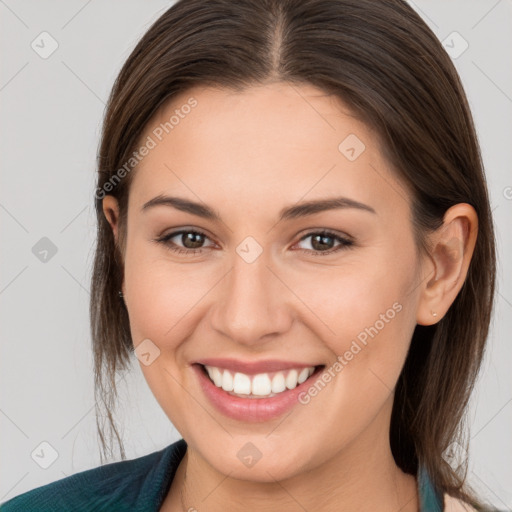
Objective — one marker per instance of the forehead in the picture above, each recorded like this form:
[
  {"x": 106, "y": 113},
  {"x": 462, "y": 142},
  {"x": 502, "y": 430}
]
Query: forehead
[{"x": 278, "y": 142}]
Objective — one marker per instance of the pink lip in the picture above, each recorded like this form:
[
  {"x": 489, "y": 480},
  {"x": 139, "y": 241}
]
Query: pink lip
[
  {"x": 251, "y": 409},
  {"x": 252, "y": 367}
]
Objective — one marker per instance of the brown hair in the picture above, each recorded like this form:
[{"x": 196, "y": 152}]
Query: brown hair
[{"x": 382, "y": 60}]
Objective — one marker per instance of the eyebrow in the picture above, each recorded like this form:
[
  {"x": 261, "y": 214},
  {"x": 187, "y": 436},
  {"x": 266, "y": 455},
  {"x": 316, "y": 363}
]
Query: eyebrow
[{"x": 302, "y": 209}]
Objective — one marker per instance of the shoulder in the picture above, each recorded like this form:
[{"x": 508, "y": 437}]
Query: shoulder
[
  {"x": 135, "y": 484},
  {"x": 452, "y": 504}
]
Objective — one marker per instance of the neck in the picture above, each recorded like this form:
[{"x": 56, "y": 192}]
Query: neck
[{"x": 363, "y": 476}]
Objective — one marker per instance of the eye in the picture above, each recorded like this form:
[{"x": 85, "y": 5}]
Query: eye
[
  {"x": 322, "y": 242},
  {"x": 192, "y": 241}
]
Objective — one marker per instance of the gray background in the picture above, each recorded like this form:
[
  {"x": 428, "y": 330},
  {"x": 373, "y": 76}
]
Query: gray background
[{"x": 51, "y": 112}]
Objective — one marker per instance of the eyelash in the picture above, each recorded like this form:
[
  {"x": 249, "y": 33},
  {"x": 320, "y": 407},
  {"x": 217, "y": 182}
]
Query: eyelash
[{"x": 345, "y": 243}]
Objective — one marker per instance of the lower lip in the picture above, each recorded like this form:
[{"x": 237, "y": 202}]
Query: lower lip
[{"x": 251, "y": 409}]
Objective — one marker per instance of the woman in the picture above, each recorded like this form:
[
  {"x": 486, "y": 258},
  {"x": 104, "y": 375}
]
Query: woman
[{"x": 241, "y": 141}]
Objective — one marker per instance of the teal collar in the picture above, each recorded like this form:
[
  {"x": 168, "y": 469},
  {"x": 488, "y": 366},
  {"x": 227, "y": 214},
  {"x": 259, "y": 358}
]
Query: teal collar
[{"x": 431, "y": 499}]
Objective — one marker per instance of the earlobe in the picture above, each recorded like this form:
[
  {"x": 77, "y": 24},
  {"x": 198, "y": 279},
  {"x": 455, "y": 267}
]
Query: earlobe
[{"x": 452, "y": 247}]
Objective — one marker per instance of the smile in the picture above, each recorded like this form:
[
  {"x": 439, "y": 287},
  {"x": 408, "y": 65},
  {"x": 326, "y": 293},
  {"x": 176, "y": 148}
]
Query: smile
[
  {"x": 259, "y": 385},
  {"x": 254, "y": 395}
]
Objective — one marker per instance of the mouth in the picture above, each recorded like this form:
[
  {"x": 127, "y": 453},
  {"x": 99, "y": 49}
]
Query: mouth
[
  {"x": 255, "y": 391},
  {"x": 260, "y": 385}
]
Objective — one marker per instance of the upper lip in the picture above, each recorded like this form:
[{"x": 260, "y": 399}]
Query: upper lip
[{"x": 252, "y": 367}]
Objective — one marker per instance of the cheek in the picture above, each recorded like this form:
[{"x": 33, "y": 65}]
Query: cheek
[
  {"x": 364, "y": 312},
  {"x": 366, "y": 319},
  {"x": 161, "y": 294},
  {"x": 348, "y": 300},
  {"x": 162, "y": 302}
]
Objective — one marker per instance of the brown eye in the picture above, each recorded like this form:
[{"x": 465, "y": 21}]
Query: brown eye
[
  {"x": 191, "y": 239},
  {"x": 187, "y": 241},
  {"x": 192, "y": 242},
  {"x": 324, "y": 242}
]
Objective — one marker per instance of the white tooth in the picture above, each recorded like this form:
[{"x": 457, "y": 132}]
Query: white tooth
[
  {"x": 216, "y": 375},
  {"x": 242, "y": 384},
  {"x": 227, "y": 381},
  {"x": 291, "y": 379},
  {"x": 303, "y": 375},
  {"x": 278, "y": 383},
  {"x": 209, "y": 369},
  {"x": 261, "y": 384}
]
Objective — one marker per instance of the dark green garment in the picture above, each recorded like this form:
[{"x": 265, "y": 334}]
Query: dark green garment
[{"x": 138, "y": 485}]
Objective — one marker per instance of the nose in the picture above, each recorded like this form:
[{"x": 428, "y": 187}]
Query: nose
[{"x": 253, "y": 305}]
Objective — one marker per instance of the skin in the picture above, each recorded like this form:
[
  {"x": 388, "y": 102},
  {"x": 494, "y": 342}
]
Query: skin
[{"x": 248, "y": 155}]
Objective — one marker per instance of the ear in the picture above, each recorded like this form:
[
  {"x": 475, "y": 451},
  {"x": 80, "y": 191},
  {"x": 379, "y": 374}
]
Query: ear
[
  {"x": 452, "y": 247},
  {"x": 111, "y": 212}
]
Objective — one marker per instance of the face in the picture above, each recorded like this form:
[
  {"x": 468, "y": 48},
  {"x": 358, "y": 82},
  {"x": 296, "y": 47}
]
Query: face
[{"x": 250, "y": 291}]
